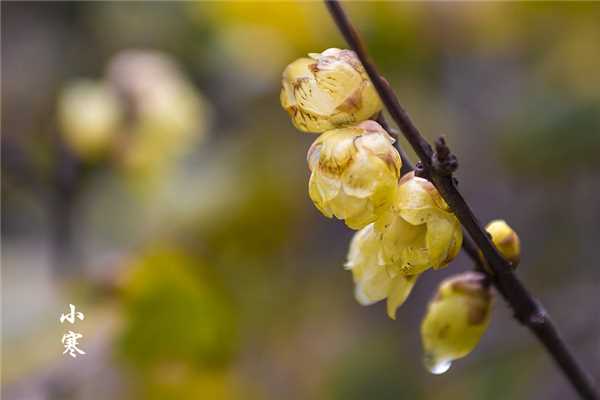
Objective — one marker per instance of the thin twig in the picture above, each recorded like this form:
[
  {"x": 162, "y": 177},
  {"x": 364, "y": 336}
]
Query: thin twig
[
  {"x": 526, "y": 308},
  {"x": 468, "y": 246},
  {"x": 406, "y": 164}
]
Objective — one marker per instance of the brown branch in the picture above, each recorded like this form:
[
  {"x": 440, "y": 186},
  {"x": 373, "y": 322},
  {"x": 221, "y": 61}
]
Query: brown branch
[
  {"x": 468, "y": 246},
  {"x": 438, "y": 165}
]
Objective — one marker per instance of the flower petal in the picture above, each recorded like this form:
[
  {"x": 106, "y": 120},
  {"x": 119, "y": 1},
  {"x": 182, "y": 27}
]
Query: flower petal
[
  {"x": 439, "y": 238},
  {"x": 400, "y": 288}
]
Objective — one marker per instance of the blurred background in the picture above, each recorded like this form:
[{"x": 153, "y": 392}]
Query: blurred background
[{"x": 151, "y": 178}]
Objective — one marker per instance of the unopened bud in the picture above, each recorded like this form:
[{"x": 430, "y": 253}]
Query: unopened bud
[
  {"x": 506, "y": 240},
  {"x": 456, "y": 319}
]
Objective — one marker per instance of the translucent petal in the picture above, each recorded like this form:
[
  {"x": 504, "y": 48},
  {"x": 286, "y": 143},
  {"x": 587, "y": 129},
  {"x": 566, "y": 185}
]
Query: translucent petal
[
  {"x": 415, "y": 257},
  {"x": 399, "y": 290},
  {"x": 317, "y": 199},
  {"x": 412, "y": 194},
  {"x": 328, "y": 187},
  {"x": 366, "y": 216},
  {"x": 439, "y": 238},
  {"x": 362, "y": 176},
  {"x": 338, "y": 81},
  {"x": 370, "y": 277},
  {"x": 357, "y": 212},
  {"x": 301, "y": 68},
  {"x": 457, "y": 240},
  {"x": 364, "y": 249},
  {"x": 310, "y": 98},
  {"x": 419, "y": 216},
  {"x": 313, "y": 156},
  {"x": 397, "y": 235},
  {"x": 374, "y": 285}
]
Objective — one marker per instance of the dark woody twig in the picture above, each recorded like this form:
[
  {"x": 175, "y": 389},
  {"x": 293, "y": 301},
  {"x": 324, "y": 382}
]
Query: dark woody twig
[
  {"x": 438, "y": 165},
  {"x": 468, "y": 246}
]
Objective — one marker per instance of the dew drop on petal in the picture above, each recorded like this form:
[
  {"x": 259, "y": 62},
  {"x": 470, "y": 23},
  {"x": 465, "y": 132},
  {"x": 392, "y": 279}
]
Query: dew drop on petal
[{"x": 436, "y": 366}]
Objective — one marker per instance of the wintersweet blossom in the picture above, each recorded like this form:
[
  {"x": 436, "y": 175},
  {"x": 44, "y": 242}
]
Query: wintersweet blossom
[
  {"x": 418, "y": 231},
  {"x": 354, "y": 173},
  {"x": 374, "y": 281},
  {"x": 328, "y": 90}
]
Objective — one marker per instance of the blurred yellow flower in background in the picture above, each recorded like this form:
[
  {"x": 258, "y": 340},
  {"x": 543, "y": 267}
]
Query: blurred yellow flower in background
[
  {"x": 145, "y": 114},
  {"x": 166, "y": 113},
  {"x": 89, "y": 114},
  {"x": 354, "y": 173}
]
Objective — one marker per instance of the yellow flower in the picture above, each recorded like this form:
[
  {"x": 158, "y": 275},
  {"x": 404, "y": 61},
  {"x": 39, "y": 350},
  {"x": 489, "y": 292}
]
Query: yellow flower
[
  {"x": 354, "y": 173},
  {"x": 456, "y": 319},
  {"x": 418, "y": 231},
  {"x": 89, "y": 115},
  {"x": 506, "y": 240},
  {"x": 328, "y": 90},
  {"x": 373, "y": 280},
  {"x": 168, "y": 116}
]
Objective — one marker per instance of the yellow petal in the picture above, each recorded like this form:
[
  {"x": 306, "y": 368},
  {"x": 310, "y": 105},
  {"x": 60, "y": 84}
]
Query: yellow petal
[
  {"x": 400, "y": 288},
  {"x": 439, "y": 238},
  {"x": 317, "y": 199},
  {"x": 365, "y": 174},
  {"x": 397, "y": 235},
  {"x": 357, "y": 221},
  {"x": 328, "y": 186},
  {"x": 371, "y": 279},
  {"x": 373, "y": 286}
]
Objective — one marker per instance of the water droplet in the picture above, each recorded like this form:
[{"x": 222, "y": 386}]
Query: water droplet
[{"x": 436, "y": 366}]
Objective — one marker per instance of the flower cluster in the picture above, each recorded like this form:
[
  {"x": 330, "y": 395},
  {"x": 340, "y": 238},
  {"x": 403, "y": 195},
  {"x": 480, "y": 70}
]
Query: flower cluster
[
  {"x": 143, "y": 114},
  {"x": 404, "y": 226}
]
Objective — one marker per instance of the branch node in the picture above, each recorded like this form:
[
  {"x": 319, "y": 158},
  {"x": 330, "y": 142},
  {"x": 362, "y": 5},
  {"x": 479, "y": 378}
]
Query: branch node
[
  {"x": 538, "y": 318},
  {"x": 443, "y": 161},
  {"x": 421, "y": 171}
]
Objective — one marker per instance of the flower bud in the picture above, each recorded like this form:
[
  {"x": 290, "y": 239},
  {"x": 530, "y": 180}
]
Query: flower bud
[
  {"x": 456, "y": 319},
  {"x": 418, "y": 230},
  {"x": 328, "y": 90},
  {"x": 373, "y": 280},
  {"x": 354, "y": 173},
  {"x": 89, "y": 115},
  {"x": 506, "y": 240}
]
